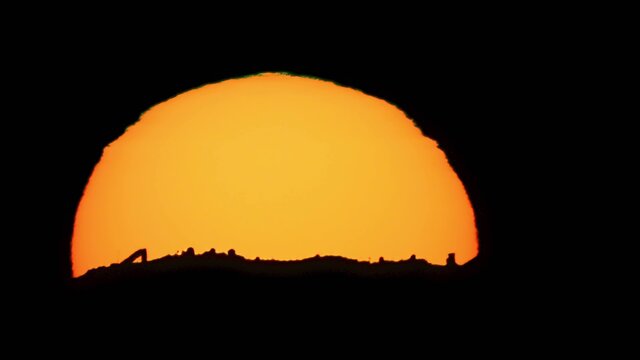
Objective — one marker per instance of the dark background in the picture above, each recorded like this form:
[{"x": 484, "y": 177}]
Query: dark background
[{"x": 477, "y": 91}]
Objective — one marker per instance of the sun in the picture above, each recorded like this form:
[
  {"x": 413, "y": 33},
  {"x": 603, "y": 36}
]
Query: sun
[{"x": 276, "y": 166}]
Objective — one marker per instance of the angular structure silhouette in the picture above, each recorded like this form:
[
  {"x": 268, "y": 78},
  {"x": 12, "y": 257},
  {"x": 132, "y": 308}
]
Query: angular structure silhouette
[{"x": 142, "y": 253}]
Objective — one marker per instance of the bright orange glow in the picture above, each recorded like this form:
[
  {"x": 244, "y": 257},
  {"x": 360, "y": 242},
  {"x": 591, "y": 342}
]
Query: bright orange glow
[{"x": 275, "y": 166}]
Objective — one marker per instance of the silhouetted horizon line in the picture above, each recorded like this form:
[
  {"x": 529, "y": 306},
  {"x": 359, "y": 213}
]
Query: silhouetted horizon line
[{"x": 231, "y": 261}]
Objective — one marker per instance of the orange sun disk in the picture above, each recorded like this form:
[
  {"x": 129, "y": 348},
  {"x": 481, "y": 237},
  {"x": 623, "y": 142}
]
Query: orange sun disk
[{"x": 275, "y": 166}]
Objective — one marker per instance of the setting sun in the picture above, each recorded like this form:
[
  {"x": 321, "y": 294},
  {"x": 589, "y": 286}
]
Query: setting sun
[{"x": 278, "y": 167}]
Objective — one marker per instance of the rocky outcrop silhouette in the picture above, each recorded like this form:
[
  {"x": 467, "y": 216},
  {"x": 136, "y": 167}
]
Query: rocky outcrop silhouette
[{"x": 451, "y": 260}]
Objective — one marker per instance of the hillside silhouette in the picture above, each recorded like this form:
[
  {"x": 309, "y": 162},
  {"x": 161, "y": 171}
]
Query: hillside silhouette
[
  {"x": 227, "y": 288},
  {"x": 220, "y": 265}
]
